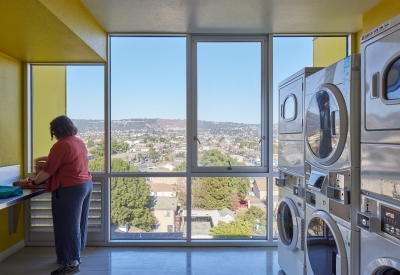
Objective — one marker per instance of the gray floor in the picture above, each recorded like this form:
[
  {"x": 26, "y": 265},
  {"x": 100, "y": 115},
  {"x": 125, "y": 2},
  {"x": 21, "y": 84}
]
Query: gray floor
[{"x": 154, "y": 261}]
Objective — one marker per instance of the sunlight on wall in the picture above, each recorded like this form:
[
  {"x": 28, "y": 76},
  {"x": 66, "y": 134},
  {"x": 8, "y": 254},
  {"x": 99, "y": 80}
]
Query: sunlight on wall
[
  {"x": 328, "y": 50},
  {"x": 11, "y": 135},
  {"x": 49, "y": 101}
]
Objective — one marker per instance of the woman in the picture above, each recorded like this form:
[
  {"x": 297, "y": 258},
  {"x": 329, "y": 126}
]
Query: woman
[{"x": 70, "y": 184}]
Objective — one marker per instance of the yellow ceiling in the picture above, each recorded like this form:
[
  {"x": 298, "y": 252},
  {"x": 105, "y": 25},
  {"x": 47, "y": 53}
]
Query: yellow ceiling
[{"x": 51, "y": 31}]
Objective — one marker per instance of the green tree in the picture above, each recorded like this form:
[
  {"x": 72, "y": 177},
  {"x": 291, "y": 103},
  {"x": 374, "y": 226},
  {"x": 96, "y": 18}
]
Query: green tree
[
  {"x": 140, "y": 156},
  {"x": 96, "y": 164},
  {"x": 214, "y": 157},
  {"x": 181, "y": 167},
  {"x": 216, "y": 193},
  {"x": 180, "y": 155},
  {"x": 255, "y": 215},
  {"x": 90, "y": 143},
  {"x": 153, "y": 154},
  {"x": 233, "y": 229},
  {"x": 118, "y": 147},
  {"x": 98, "y": 151},
  {"x": 198, "y": 193},
  {"x": 240, "y": 185},
  {"x": 131, "y": 203}
]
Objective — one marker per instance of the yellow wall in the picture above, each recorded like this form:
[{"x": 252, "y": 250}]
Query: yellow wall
[
  {"x": 49, "y": 101},
  {"x": 383, "y": 11},
  {"x": 335, "y": 46},
  {"x": 11, "y": 135},
  {"x": 357, "y": 37},
  {"x": 78, "y": 18}
]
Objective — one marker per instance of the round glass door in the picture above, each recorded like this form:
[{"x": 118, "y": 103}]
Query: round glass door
[
  {"x": 323, "y": 126},
  {"x": 285, "y": 223},
  {"x": 321, "y": 247},
  {"x": 289, "y": 108},
  {"x": 393, "y": 81},
  {"x": 383, "y": 266},
  {"x": 386, "y": 271}
]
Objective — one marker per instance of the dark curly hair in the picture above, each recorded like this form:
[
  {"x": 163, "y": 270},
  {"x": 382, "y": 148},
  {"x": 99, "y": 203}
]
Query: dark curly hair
[{"x": 62, "y": 127}]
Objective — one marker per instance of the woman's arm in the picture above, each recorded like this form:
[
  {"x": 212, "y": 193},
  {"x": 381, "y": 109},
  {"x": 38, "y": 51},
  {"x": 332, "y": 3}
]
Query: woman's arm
[{"x": 40, "y": 177}]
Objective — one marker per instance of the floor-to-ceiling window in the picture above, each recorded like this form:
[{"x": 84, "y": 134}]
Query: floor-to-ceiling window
[{"x": 187, "y": 138}]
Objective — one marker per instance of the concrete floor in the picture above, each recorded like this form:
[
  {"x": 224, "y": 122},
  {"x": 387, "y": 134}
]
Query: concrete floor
[{"x": 150, "y": 260}]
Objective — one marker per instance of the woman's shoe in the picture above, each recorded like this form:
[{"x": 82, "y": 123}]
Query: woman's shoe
[{"x": 66, "y": 269}]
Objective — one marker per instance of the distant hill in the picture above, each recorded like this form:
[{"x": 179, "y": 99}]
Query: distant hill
[{"x": 157, "y": 124}]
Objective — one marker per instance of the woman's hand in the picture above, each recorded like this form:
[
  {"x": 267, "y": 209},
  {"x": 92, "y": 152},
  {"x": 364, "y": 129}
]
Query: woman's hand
[{"x": 41, "y": 177}]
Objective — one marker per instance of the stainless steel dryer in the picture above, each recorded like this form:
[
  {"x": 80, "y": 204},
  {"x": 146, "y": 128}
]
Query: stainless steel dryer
[
  {"x": 291, "y": 121},
  {"x": 380, "y": 116},
  {"x": 332, "y": 140},
  {"x": 332, "y": 135},
  {"x": 380, "y": 237}
]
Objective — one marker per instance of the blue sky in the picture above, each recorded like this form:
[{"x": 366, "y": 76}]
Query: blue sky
[{"x": 148, "y": 79}]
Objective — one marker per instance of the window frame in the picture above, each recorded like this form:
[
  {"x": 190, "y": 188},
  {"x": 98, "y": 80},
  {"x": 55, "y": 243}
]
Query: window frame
[
  {"x": 106, "y": 175},
  {"x": 265, "y": 79}
]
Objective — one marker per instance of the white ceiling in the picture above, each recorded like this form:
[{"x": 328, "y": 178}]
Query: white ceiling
[{"x": 230, "y": 16}]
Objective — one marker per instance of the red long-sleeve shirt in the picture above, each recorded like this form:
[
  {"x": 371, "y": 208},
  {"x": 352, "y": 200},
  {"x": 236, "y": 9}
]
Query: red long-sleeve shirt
[{"x": 67, "y": 163}]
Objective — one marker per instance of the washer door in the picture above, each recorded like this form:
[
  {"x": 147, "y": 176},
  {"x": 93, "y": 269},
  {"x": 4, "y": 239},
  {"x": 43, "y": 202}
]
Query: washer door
[
  {"x": 326, "y": 124},
  {"x": 288, "y": 227},
  {"x": 383, "y": 266},
  {"x": 326, "y": 252},
  {"x": 291, "y": 108}
]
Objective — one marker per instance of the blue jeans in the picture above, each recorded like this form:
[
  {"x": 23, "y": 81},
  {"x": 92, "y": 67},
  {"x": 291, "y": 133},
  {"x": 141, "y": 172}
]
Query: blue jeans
[{"x": 70, "y": 209}]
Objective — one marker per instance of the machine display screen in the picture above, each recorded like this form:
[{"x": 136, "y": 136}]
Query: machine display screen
[
  {"x": 316, "y": 180},
  {"x": 390, "y": 221}
]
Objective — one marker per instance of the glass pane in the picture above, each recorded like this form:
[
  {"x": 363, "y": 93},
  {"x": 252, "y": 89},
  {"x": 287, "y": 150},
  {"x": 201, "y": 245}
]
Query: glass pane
[
  {"x": 86, "y": 84},
  {"x": 229, "y": 103},
  {"x": 228, "y": 208},
  {"x": 321, "y": 247},
  {"x": 393, "y": 81},
  {"x": 289, "y": 108},
  {"x": 147, "y": 208},
  {"x": 321, "y": 132},
  {"x": 148, "y": 103}
]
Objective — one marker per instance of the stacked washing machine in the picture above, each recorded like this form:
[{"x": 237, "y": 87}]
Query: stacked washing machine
[
  {"x": 291, "y": 207},
  {"x": 332, "y": 152},
  {"x": 379, "y": 217}
]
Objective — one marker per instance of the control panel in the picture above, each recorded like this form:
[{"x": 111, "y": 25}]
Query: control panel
[{"x": 390, "y": 221}]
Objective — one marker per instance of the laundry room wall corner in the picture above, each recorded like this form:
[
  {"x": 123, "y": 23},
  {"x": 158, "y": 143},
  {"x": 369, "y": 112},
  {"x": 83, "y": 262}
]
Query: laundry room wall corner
[
  {"x": 383, "y": 11},
  {"x": 328, "y": 50}
]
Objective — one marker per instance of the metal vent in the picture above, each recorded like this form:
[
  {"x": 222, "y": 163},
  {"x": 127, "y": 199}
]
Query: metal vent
[{"x": 42, "y": 219}]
